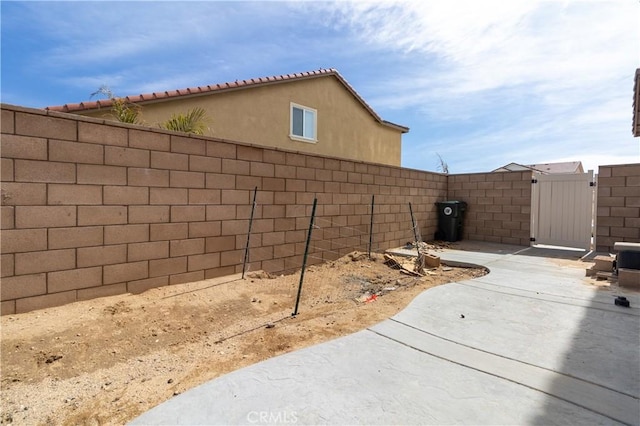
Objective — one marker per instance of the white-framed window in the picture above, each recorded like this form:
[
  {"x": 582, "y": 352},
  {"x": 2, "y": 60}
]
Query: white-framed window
[{"x": 304, "y": 123}]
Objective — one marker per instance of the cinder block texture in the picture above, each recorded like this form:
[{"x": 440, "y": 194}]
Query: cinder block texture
[
  {"x": 45, "y": 301},
  {"x": 46, "y": 127},
  {"x": 101, "y": 255},
  {"x": 96, "y": 209},
  {"x": 125, "y": 272},
  {"x": 603, "y": 263},
  {"x": 498, "y": 205},
  {"x": 73, "y": 152},
  {"x": 629, "y": 278},
  {"x": 74, "y": 279},
  {"x": 23, "y": 240},
  {"x": 23, "y": 194},
  {"x": 68, "y": 194},
  {"x": 6, "y": 169},
  {"x": 23, "y": 286},
  {"x": 25, "y": 147},
  {"x": 618, "y": 213},
  {"x": 44, "y": 171},
  {"x": 119, "y": 156},
  {"x": 82, "y": 236},
  {"x": 44, "y": 261},
  {"x": 45, "y": 216}
]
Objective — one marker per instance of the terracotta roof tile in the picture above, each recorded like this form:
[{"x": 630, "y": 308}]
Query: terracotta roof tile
[{"x": 209, "y": 89}]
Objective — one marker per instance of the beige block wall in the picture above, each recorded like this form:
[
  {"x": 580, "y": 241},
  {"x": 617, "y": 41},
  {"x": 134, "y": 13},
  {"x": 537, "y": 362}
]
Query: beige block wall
[
  {"x": 261, "y": 115},
  {"x": 618, "y": 210},
  {"x": 93, "y": 208},
  {"x": 499, "y": 205}
]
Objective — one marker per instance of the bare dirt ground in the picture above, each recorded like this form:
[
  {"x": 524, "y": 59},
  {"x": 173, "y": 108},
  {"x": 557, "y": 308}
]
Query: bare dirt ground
[{"x": 106, "y": 361}]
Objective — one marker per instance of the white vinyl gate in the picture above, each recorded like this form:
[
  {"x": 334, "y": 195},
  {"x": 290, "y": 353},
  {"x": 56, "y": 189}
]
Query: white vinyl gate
[{"x": 562, "y": 209}]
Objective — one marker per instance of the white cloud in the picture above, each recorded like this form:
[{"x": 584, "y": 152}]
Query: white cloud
[
  {"x": 529, "y": 81},
  {"x": 482, "y": 82},
  {"x": 94, "y": 33},
  {"x": 473, "y": 46}
]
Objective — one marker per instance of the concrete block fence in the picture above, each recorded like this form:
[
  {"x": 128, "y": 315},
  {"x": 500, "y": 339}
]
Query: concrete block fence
[
  {"x": 618, "y": 208},
  {"x": 499, "y": 205},
  {"x": 93, "y": 208}
]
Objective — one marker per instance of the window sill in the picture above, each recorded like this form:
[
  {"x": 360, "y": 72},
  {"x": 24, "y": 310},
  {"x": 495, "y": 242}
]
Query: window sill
[{"x": 301, "y": 139}]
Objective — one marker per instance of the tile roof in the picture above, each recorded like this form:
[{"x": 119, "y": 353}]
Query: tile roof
[
  {"x": 635, "y": 129},
  {"x": 545, "y": 168},
  {"x": 224, "y": 87},
  {"x": 553, "y": 168}
]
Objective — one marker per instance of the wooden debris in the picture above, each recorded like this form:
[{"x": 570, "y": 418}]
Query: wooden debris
[
  {"x": 604, "y": 275},
  {"x": 412, "y": 266},
  {"x": 603, "y": 263},
  {"x": 405, "y": 265}
]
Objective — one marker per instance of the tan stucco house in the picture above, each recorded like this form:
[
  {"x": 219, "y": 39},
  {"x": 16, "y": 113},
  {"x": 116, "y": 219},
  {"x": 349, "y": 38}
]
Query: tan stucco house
[{"x": 314, "y": 112}]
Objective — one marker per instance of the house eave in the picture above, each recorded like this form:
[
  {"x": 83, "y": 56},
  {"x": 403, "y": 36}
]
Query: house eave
[{"x": 157, "y": 97}]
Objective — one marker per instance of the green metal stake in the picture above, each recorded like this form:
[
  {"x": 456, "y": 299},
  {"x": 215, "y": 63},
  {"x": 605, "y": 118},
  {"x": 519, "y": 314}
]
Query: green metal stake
[
  {"x": 373, "y": 197},
  {"x": 246, "y": 249},
  {"x": 304, "y": 259}
]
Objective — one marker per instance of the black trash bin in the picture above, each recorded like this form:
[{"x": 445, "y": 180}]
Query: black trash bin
[{"x": 450, "y": 220}]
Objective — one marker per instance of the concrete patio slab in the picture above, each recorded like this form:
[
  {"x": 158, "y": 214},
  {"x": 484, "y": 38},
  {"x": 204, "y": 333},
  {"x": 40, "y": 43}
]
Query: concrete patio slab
[{"x": 536, "y": 345}]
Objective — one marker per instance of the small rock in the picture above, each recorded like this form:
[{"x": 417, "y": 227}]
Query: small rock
[
  {"x": 176, "y": 393},
  {"x": 170, "y": 381},
  {"x": 270, "y": 325},
  {"x": 53, "y": 358},
  {"x": 461, "y": 315}
]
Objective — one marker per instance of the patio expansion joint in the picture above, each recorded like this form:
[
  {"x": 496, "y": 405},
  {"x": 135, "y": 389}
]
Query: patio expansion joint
[
  {"x": 614, "y": 404},
  {"x": 552, "y": 298}
]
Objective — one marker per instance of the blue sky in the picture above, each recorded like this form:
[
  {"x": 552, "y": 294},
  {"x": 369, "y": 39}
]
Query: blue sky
[{"x": 482, "y": 83}]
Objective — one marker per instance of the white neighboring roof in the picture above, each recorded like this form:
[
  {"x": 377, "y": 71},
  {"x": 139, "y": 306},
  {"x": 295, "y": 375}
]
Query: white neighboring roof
[{"x": 546, "y": 168}]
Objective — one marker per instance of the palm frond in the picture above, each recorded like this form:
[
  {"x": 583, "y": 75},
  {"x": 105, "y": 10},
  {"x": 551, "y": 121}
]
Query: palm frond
[
  {"x": 194, "y": 121},
  {"x": 442, "y": 165},
  {"x": 124, "y": 111}
]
